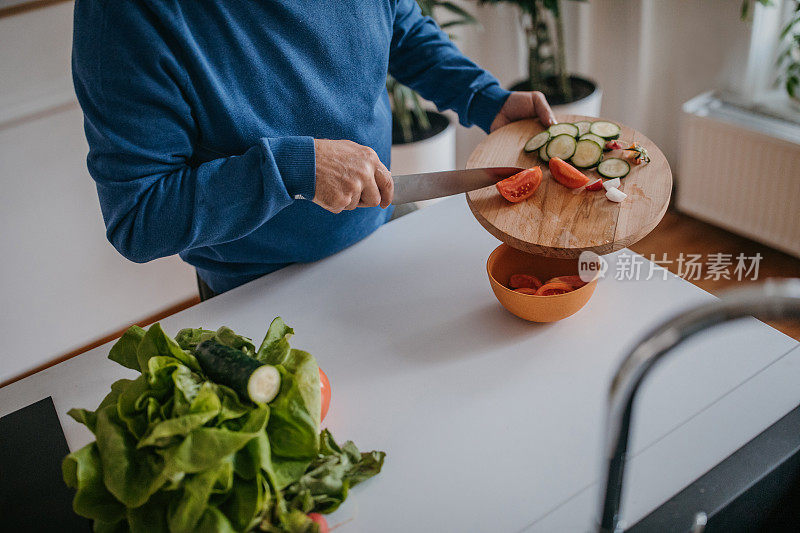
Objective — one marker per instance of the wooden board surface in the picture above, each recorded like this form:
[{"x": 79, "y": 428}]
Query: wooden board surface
[{"x": 561, "y": 222}]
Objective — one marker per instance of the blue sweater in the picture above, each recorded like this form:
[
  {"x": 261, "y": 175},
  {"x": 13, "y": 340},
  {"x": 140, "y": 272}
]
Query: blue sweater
[{"x": 201, "y": 115}]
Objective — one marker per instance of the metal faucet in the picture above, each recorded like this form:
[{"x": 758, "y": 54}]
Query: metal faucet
[{"x": 774, "y": 299}]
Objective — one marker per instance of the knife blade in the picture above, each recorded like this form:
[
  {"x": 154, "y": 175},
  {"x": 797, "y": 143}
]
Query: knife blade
[{"x": 429, "y": 185}]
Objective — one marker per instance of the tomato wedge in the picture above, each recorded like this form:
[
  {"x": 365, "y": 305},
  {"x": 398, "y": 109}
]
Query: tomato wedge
[
  {"x": 521, "y": 185},
  {"x": 553, "y": 288},
  {"x": 566, "y": 174},
  {"x": 575, "y": 281},
  {"x": 526, "y": 290},
  {"x": 524, "y": 281}
]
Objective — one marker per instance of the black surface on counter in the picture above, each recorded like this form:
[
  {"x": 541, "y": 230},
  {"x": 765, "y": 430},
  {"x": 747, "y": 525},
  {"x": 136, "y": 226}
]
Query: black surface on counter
[{"x": 33, "y": 496}]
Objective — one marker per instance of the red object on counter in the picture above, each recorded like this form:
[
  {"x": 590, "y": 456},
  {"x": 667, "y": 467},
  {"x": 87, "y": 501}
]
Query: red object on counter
[
  {"x": 325, "y": 390},
  {"x": 319, "y": 519}
]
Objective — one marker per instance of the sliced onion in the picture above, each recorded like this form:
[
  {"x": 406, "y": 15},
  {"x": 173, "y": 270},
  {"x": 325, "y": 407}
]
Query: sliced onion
[
  {"x": 612, "y": 184},
  {"x": 615, "y": 195}
]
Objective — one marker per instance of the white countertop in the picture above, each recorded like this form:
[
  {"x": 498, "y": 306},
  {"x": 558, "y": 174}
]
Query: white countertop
[{"x": 490, "y": 423}]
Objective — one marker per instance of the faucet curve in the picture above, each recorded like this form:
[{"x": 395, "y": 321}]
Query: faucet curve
[{"x": 774, "y": 299}]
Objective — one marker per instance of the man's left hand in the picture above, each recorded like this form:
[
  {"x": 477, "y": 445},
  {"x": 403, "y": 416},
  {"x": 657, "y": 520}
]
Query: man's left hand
[{"x": 524, "y": 104}]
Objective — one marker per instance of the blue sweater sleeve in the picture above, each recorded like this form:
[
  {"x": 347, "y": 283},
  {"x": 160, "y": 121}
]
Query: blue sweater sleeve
[
  {"x": 142, "y": 137},
  {"x": 425, "y": 59}
]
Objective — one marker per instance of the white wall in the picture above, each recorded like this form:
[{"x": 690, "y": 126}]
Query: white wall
[
  {"x": 62, "y": 284},
  {"x": 649, "y": 56}
]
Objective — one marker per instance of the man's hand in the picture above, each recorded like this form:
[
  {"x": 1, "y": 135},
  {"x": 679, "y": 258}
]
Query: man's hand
[
  {"x": 350, "y": 175},
  {"x": 524, "y": 105}
]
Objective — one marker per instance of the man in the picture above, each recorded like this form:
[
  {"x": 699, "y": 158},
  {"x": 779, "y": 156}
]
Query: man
[{"x": 246, "y": 135}]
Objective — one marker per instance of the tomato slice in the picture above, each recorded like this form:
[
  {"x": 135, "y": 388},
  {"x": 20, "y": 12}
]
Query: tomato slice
[
  {"x": 526, "y": 290},
  {"x": 325, "y": 391},
  {"x": 566, "y": 174},
  {"x": 553, "y": 288},
  {"x": 521, "y": 185},
  {"x": 575, "y": 281},
  {"x": 524, "y": 281}
]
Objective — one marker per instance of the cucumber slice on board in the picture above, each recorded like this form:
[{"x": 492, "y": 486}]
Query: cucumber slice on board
[
  {"x": 543, "y": 153},
  {"x": 561, "y": 146},
  {"x": 596, "y": 138},
  {"x": 614, "y": 168},
  {"x": 564, "y": 128},
  {"x": 537, "y": 141},
  {"x": 583, "y": 127},
  {"x": 606, "y": 130},
  {"x": 588, "y": 153},
  {"x": 250, "y": 378}
]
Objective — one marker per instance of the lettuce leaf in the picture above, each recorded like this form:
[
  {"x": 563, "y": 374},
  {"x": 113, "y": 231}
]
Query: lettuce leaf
[{"x": 275, "y": 346}]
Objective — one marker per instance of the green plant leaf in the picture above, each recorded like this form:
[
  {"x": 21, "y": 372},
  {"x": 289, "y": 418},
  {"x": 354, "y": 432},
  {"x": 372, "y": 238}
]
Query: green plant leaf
[
  {"x": 458, "y": 10},
  {"x": 150, "y": 517},
  {"x": 131, "y": 405},
  {"x": 205, "y": 447},
  {"x": 245, "y": 503},
  {"x": 213, "y": 521},
  {"x": 130, "y": 474},
  {"x": 155, "y": 342},
  {"x": 292, "y": 427},
  {"x": 326, "y": 482},
  {"x": 226, "y": 336},
  {"x": 124, "y": 350},
  {"x": 189, "y": 338},
  {"x": 186, "y": 510},
  {"x": 275, "y": 346},
  {"x": 83, "y": 472}
]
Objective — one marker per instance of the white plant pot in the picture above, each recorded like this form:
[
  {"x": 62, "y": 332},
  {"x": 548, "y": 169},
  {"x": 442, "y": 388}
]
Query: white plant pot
[
  {"x": 589, "y": 106},
  {"x": 428, "y": 155}
]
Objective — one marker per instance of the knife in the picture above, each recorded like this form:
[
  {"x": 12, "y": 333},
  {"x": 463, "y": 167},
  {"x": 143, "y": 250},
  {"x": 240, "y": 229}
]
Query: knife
[{"x": 429, "y": 185}]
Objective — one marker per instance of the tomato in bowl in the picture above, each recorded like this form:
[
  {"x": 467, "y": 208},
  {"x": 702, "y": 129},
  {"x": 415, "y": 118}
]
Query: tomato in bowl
[{"x": 548, "y": 306}]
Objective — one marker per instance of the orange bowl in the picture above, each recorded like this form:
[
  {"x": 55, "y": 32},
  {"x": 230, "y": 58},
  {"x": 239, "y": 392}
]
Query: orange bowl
[{"x": 506, "y": 261}]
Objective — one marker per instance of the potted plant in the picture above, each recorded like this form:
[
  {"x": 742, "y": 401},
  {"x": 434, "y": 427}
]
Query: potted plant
[
  {"x": 789, "y": 58},
  {"x": 423, "y": 140},
  {"x": 543, "y": 23}
]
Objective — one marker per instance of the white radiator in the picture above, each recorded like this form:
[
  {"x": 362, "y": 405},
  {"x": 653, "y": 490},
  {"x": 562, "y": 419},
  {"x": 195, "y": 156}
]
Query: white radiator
[{"x": 740, "y": 170}]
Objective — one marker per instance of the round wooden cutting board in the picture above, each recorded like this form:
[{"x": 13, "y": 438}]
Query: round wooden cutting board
[{"x": 561, "y": 222}]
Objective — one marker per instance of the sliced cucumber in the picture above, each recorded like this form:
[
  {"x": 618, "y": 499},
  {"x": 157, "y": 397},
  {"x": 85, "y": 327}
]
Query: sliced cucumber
[
  {"x": 537, "y": 141},
  {"x": 543, "y": 153},
  {"x": 613, "y": 167},
  {"x": 606, "y": 130},
  {"x": 561, "y": 146},
  {"x": 588, "y": 153},
  {"x": 563, "y": 129},
  {"x": 264, "y": 384},
  {"x": 596, "y": 138},
  {"x": 250, "y": 378},
  {"x": 583, "y": 127}
]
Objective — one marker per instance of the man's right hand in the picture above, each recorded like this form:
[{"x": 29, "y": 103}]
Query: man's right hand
[{"x": 350, "y": 175}]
